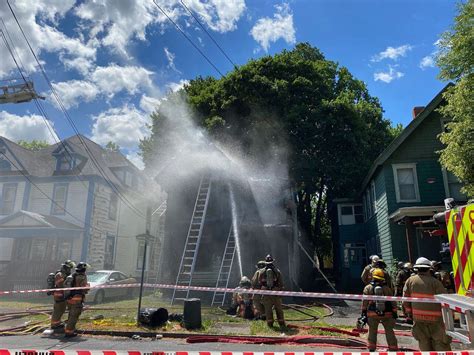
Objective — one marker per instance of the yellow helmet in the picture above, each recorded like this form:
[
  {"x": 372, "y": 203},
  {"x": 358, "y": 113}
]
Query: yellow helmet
[{"x": 378, "y": 275}]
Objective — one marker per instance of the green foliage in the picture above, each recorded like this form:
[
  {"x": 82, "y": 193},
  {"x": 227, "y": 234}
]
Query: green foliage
[
  {"x": 114, "y": 147},
  {"x": 396, "y": 130},
  {"x": 456, "y": 61},
  {"x": 34, "y": 144}
]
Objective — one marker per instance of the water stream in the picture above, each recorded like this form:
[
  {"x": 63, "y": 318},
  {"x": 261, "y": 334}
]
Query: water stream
[{"x": 235, "y": 226}]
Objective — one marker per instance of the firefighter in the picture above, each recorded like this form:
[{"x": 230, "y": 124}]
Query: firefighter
[
  {"x": 242, "y": 301},
  {"x": 270, "y": 279},
  {"x": 366, "y": 273},
  {"x": 59, "y": 301},
  {"x": 428, "y": 326},
  {"x": 380, "y": 264},
  {"x": 257, "y": 299},
  {"x": 402, "y": 276},
  {"x": 75, "y": 299},
  {"x": 377, "y": 312},
  {"x": 442, "y": 275}
]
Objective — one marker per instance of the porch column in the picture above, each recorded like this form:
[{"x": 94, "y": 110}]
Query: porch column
[{"x": 409, "y": 235}]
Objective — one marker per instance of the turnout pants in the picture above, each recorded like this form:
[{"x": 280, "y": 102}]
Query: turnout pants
[
  {"x": 257, "y": 302},
  {"x": 273, "y": 301},
  {"x": 388, "y": 324},
  {"x": 75, "y": 310},
  {"x": 59, "y": 308},
  {"x": 431, "y": 336}
]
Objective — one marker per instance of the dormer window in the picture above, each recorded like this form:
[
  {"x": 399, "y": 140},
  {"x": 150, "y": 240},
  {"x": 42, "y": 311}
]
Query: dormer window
[
  {"x": 5, "y": 165},
  {"x": 65, "y": 163}
]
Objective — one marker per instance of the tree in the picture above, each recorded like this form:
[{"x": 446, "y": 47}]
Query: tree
[
  {"x": 330, "y": 127},
  {"x": 396, "y": 130},
  {"x": 112, "y": 146},
  {"x": 34, "y": 144},
  {"x": 456, "y": 61}
]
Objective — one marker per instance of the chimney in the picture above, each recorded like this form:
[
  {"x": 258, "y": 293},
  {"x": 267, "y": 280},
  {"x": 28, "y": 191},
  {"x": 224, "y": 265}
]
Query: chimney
[{"x": 417, "y": 110}]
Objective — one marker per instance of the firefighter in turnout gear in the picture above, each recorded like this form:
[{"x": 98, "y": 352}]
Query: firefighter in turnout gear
[
  {"x": 257, "y": 299},
  {"x": 384, "y": 312},
  {"x": 242, "y": 301},
  {"x": 442, "y": 275},
  {"x": 402, "y": 276},
  {"x": 75, "y": 299},
  {"x": 270, "y": 279},
  {"x": 428, "y": 326},
  {"x": 56, "y": 281},
  {"x": 366, "y": 273}
]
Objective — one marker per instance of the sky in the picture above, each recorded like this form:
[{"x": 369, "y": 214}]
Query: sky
[{"x": 112, "y": 61}]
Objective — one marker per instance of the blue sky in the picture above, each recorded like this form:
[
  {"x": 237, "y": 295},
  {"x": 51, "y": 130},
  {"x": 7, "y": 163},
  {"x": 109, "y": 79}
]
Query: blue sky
[{"x": 111, "y": 61}]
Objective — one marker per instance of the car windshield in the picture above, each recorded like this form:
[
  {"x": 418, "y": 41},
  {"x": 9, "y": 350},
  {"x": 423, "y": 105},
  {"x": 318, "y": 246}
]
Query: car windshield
[{"x": 97, "y": 276}]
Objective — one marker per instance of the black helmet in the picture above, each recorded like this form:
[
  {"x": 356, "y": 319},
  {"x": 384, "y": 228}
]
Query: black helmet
[
  {"x": 82, "y": 266},
  {"x": 269, "y": 259}
]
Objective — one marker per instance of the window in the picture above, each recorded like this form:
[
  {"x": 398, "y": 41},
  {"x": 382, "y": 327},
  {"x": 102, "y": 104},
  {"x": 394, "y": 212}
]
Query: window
[
  {"x": 128, "y": 178},
  {"x": 373, "y": 198},
  {"x": 63, "y": 250},
  {"x": 113, "y": 206},
  {"x": 141, "y": 250},
  {"x": 39, "y": 249},
  {"x": 64, "y": 163},
  {"x": 109, "y": 257},
  {"x": 59, "y": 199},
  {"x": 368, "y": 200},
  {"x": 8, "y": 198},
  {"x": 5, "y": 165},
  {"x": 453, "y": 186},
  {"x": 350, "y": 214},
  {"x": 406, "y": 183}
]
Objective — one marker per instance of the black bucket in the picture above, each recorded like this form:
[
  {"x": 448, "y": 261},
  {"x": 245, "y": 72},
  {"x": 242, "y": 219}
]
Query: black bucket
[
  {"x": 192, "y": 313},
  {"x": 152, "y": 317}
]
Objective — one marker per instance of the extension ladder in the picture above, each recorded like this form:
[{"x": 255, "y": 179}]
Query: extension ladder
[
  {"x": 226, "y": 268},
  {"x": 191, "y": 247}
]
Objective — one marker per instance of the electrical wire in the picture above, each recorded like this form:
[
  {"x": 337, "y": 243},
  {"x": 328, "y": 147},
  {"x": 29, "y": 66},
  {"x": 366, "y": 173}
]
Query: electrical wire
[
  {"x": 207, "y": 32},
  {"x": 47, "y": 196},
  {"x": 73, "y": 125},
  {"x": 187, "y": 37},
  {"x": 12, "y": 50}
]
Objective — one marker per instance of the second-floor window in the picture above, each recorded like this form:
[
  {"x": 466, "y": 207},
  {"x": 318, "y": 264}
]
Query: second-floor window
[
  {"x": 350, "y": 214},
  {"x": 59, "y": 199},
  {"x": 406, "y": 183},
  {"x": 113, "y": 206},
  {"x": 8, "y": 199}
]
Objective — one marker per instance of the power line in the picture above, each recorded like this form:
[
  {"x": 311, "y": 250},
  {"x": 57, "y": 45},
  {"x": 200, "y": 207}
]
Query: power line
[
  {"x": 47, "y": 196},
  {"x": 73, "y": 125},
  {"x": 208, "y": 34},
  {"x": 187, "y": 37}
]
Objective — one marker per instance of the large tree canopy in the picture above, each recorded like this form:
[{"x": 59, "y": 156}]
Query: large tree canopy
[
  {"x": 456, "y": 61},
  {"x": 329, "y": 126}
]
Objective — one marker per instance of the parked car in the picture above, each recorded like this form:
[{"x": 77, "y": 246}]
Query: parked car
[{"x": 109, "y": 277}]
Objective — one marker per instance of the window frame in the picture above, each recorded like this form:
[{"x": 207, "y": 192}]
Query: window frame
[
  {"x": 373, "y": 197},
  {"x": 412, "y": 166},
  {"x": 113, "y": 196},
  {"x": 54, "y": 203},
  {"x": 353, "y": 214},
  {"x": 4, "y": 187},
  {"x": 112, "y": 237}
]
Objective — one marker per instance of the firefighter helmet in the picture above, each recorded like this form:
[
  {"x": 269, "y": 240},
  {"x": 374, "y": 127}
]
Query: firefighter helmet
[
  {"x": 261, "y": 264},
  {"x": 379, "y": 263},
  {"x": 378, "y": 274},
  {"x": 82, "y": 267},
  {"x": 408, "y": 266},
  {"x": 422, "y": 263},
  {"x": 269, "y": 259},
  {"x": 69, "y": 264},
  {"x": 245, "y": 282}
]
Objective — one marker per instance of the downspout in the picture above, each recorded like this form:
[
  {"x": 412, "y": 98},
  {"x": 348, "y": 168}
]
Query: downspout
[
  {"x": 88, "y": 220},
  {"x": 408, "y": 225}
]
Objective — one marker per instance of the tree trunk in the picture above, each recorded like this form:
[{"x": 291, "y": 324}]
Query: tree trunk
[{"x": 319, "y": 212}]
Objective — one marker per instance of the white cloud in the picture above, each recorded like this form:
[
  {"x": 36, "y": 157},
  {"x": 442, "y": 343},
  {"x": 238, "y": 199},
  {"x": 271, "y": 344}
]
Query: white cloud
[
  {"x": 136, "y": 160},
  {"x": 392, "y": 53},
  {"x": 389, "y": 76},
  {"x": 170, "y": 56},
  {"x": 268, "y": 30},
  {"x": 124, "y": 126},
  {"x": 427, "y": 62},
  {"x": 114, "y": 78},
  {"x": 177, "y": 86},
  {"x": 74, "y": 91},
  {"x": 149, "y": 104},
  {"x": 42, "y": 37},
  {"x": 26, "y": 127},
  {"x": 220, "y": 15}
]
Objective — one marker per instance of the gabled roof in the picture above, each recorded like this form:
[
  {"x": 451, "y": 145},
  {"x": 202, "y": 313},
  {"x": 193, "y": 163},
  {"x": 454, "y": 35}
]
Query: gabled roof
[
  {"x": 397, "y": 142},
  {"x": 27, "y": 219}
]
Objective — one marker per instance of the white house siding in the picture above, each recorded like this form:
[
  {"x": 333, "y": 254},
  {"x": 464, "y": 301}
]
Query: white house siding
[
  {"x": 76, "y": 203},
  {"x": 38, "y": 202},
  {"x": 77, "y": 248}
]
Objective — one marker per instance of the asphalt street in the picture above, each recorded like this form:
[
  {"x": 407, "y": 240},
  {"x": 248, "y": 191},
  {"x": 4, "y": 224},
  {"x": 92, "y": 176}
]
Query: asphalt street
[{"x": 34, "y": 342}]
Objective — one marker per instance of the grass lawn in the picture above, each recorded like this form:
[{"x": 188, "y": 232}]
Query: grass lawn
[{"x": 120, "y": 315}]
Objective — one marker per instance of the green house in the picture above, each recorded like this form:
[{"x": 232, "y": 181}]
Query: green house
[{"x": 405, "y": 185}]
